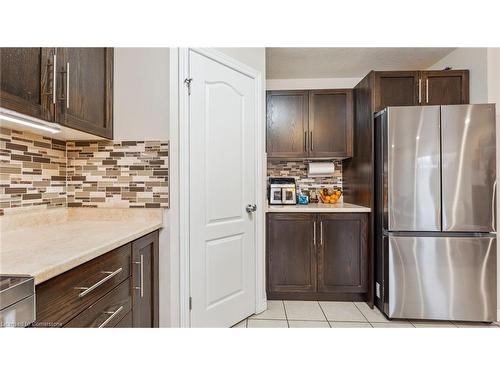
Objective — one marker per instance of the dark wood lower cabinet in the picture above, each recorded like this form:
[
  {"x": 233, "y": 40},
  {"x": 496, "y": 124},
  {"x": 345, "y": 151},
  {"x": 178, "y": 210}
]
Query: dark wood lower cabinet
[
  {"x": 119, "y": 288},
  {"x": 317, "y": 256},
  {"x": 291, "y": 259},
  {"x": 342, "y": 253},
  {"x": 126, "y": 322},
  {"x": 107, "y": 311},
  {"x": 145, "y": 281}
]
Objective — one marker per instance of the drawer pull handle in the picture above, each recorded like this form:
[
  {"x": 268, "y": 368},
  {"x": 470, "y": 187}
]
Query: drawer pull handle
[
  {"x": 314, "y": 234},
  {"x": 113, "y": 314},
  {"x": 100, "y": 282},
  {"x": 141, "y": 288}
]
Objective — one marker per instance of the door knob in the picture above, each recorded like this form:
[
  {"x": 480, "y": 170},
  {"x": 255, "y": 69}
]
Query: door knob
[{"x": 251, "y": 208}]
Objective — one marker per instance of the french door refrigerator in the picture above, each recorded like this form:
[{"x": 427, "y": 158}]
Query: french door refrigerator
[{"x": 435, "y": 207}]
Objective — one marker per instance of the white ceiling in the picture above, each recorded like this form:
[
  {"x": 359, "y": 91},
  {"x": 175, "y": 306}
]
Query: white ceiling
[{"x": 283, "y": 63}]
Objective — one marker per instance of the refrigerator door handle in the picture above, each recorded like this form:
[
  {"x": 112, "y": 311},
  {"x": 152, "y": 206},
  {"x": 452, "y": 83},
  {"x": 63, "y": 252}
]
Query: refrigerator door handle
[{"x": 493, "y": 207}]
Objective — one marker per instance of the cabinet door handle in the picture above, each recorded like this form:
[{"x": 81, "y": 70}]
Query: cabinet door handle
[
  {"x": 110, "y": 318},
  {"x": 311, "y": 141},
  {"x": 67, "y": 85},
  {"x": 314, "y": 234},
  {"x": 321, "y": 233},
  {"x": 141, "y": 287},
  {"x": 427, "y": 90},
  {"x": 305, "y": 141},
  {"x": 419, "y": 90},
  {"x": 54, "y": 79},
  {"x": 99, "y": 283}
]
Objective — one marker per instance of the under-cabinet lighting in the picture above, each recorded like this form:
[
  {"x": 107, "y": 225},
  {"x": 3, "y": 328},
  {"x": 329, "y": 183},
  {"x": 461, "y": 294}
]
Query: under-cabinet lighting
[{"x": 32, "y": 122}]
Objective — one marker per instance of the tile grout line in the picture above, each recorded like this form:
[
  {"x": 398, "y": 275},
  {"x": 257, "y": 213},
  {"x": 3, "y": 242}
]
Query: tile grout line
[
  {"x": 321, "y": 308},
  {"x": 361, "y": 312},
  {"x": 286, "y": 315}
]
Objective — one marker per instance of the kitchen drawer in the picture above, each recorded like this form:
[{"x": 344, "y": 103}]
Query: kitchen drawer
[
  {"x": 126, "y": 322},
  {"x": 107, "y": 311},
  {"x": 62, "y": 297}
]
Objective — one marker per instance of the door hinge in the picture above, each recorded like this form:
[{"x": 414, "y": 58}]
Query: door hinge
[
  {"x": 187, "y": 82},
  {"x": 190, "y": 303}
]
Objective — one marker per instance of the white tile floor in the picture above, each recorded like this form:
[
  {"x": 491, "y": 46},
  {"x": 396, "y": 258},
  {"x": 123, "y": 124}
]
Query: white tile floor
[{"x": 314, "y": 314}]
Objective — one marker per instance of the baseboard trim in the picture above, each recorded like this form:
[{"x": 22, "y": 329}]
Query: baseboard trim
[{"x": 311, "y": 296}]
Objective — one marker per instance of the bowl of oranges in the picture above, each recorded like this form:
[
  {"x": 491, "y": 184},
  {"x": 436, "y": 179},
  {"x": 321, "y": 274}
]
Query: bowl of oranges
[{"x": 330, "y": 195}]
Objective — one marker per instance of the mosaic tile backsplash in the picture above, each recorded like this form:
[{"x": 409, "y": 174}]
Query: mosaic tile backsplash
[
  {"x": 32, "y": 171},
  {"x": 37, "y": 171},
  {"x": 298, "y": 170},
  {"x": 117, "y": 174}
]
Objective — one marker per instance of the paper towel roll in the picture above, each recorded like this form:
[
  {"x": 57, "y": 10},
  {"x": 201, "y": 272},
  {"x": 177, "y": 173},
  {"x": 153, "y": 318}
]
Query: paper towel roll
[{"x": 323, "y": 169}]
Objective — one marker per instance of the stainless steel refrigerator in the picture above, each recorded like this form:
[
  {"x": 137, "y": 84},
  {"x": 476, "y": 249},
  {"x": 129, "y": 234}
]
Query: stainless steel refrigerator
[{"x": 435, "y": 207}]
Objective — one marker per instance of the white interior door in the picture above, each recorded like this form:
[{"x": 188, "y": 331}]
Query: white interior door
[{"x": 222, "y": 136}]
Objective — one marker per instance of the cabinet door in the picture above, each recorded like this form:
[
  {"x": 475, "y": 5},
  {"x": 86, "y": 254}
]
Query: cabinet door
[
  {"x": 342, "y": 253},
  {"x": 445, "y": 87},
  {"x": 330, "y": 123},
  {"x": 287, "y": 130},
  {"x": 26, "y": 81},
  {"x": 396, "y": 89},
  {"x": 145, "y": 281},
  {"x": 86, "y": 90},
  {"x": 291, "y": 258}
]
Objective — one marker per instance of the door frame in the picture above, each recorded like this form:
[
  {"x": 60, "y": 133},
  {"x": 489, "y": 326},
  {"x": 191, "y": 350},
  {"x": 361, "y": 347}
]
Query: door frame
[{"x": 184, "y": 183}]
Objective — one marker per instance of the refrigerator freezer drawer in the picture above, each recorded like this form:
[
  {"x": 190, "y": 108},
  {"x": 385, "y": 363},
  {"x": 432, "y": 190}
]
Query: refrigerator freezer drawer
[
  {"x": 469, "y": 167},
  {"x": 442, "y": 278}
]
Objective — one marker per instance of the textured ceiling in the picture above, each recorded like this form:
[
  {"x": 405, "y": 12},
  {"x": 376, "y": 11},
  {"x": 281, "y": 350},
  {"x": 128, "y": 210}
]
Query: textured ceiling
[{"x": 282, "y": 63}]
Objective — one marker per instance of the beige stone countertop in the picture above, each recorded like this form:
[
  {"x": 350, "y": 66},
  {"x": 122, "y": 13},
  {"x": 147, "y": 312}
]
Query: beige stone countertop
[
  {"x": 318, "y": 207},
  {"x": 47, "y": 242}
]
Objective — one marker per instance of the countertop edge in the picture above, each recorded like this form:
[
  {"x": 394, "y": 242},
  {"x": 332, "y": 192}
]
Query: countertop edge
[
  {"x": 305, "y": 208},
  {"x": 67, "y": 265}
]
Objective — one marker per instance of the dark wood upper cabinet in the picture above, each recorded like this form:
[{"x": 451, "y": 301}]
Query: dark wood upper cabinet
[
  {"x": 145, "y": 281},
  {"x": 69, "y": 86},
  {"x": 26, "y": 81},
  {"x": 426, "y": 87},
  {"x": 445, "y": 87},
  {"x": 86, "y": 99},
  {"x": 291, "y": 258},
  {"x": 396, "y": 88},
  {"x": 309, "y": 124},
  {"x": 342, "y": 255},
  {"x": 287, "y": 131},
  {"x": 330, "y": 123}
]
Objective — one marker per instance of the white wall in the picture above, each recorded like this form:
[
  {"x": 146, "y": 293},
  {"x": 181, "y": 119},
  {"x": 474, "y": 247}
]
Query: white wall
[
  {"x": 493, "y": 58},
  {"x": 312, "y": 83},
  {"x": 141, "y": 112},
  {"x": 253, "y": 57},
  {"x": 141, "y": 94},
  {"x": 474, "y": 59}
]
